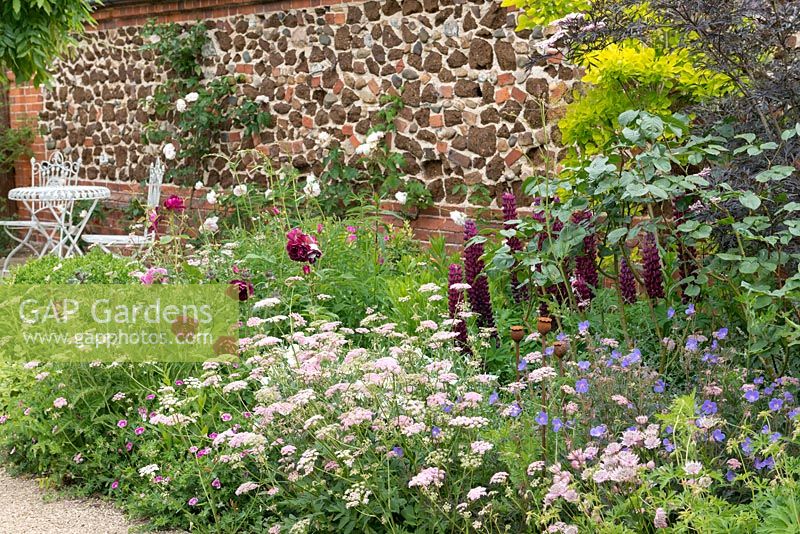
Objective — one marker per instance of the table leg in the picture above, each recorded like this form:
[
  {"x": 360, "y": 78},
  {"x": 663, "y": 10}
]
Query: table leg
[{"x": 73, "y": 236}]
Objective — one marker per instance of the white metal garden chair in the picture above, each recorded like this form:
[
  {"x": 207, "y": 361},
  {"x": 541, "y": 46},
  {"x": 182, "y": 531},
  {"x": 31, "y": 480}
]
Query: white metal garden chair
[
  {"x": 40, "y": 230},
  {"x": 108, "y": 242}
]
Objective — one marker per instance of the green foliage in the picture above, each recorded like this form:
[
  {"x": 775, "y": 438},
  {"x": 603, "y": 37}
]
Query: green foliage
[
  {"x": 190, "y": 110},
  {"x": 648, "y": 170},
  {"x": 33, "y": 33},
  {"x": 178, "y": 48},
  {"x": 538, "y": 13},
  {"x": 96, "y": 267},
  {"x": 377, "y": 173},
  {"x": 15, "y": 144},
  {"x": 632, "y": 75}
]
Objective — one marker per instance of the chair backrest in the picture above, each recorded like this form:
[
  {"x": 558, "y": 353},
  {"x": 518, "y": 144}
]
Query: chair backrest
[
  {"x": 56, "y": 171},
  {"x": 154, "y": 183}
]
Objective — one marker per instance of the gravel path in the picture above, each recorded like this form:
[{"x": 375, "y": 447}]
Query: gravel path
[{"x": 22, "y": 511}]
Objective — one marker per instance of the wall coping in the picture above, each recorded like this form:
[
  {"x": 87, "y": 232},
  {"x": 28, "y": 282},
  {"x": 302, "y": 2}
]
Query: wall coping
[{"x": 118, "y": 13}]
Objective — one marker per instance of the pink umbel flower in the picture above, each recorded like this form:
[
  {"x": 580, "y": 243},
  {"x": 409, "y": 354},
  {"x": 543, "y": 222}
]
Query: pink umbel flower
[
  {"x": 660, "y": 520},
  {"x": 430, "y": 476},
  {"x": 302, "y": 247},
  {"x": 478, "y": 293}
]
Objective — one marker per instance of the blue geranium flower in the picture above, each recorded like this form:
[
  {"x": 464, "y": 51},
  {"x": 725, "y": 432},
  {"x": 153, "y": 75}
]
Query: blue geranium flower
[
  {"x": 582, "y": 386},
  {"x": 541, "y": 418}
]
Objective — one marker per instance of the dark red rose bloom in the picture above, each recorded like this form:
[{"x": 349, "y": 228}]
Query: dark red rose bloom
[
  {"x": 302, "y": 247},
  {"x": 242, "y": 289}
]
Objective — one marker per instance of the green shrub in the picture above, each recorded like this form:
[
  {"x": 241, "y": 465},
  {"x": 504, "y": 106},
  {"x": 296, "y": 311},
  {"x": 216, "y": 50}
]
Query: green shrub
[{"x": 96, "y": 267}]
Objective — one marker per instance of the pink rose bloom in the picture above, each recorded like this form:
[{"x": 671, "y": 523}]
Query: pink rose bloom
[{"x": 174, "y": 203}]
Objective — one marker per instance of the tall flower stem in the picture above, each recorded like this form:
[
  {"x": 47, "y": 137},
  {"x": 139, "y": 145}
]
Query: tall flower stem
[{"x": 621, "y": 302}]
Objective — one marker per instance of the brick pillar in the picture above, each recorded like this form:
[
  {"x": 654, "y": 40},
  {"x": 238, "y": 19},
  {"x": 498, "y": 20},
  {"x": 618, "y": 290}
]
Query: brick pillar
[{"x": 25, "y": 101}]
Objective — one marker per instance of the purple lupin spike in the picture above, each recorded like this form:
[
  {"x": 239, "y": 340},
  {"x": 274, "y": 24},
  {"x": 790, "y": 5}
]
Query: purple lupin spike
[
  {"x": 651, "y": 263},
  {"x": 627, "y": 282},
  {"x": 478, "y": 293}
]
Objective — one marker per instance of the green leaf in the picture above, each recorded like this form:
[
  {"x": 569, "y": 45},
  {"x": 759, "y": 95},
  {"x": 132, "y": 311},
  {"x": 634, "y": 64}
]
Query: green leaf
[
  {"x": 748, "y": 266},
  {"x": 689, "y": 226},
  {"x": 750, "y": 200},
  {"x": 657, "y": 192},
  {"x": 774, "y": 174},
  {"x": 693, "y": 290},
  {"x": 627, "y": 117},
  {"x": 729, "y": 257},
  {"x": 616, "y": 235}
]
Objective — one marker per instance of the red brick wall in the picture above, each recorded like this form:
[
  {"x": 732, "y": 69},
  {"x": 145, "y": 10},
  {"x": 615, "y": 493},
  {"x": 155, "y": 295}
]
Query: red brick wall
[
  {"x": 25, "y": 103},
  {"x": 137, "y": 12}
]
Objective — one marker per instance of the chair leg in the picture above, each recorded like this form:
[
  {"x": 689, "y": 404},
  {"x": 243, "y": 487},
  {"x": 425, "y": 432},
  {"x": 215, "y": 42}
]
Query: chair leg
[{"x": 23, "y": 243}]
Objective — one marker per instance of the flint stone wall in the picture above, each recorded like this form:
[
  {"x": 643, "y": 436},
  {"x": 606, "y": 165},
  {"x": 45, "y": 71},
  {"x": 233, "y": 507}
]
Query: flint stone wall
[{"x": 475, "y": 111}]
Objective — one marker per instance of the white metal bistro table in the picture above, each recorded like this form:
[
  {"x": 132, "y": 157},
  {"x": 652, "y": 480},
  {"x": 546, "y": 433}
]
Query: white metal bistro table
[{"x": 52, "y": 210}]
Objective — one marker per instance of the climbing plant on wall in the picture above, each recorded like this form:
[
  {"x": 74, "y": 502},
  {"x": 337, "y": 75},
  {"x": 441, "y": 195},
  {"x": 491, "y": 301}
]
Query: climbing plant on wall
[{"x": 190, "y": 111}]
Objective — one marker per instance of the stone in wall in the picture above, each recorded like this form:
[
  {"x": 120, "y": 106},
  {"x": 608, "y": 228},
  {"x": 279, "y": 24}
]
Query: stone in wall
[{"x": 473, "y": 111}]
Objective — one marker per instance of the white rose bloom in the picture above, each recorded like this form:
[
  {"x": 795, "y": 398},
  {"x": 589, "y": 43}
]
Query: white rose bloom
[
  {"x": 240, "y": 190},
  {"x": 365, "y": 149},
  {"x": 198, "y": 185},
  {"x": 155, "y": 39},
  {"x": 458, "y": 217},
  {"x": 169, "y": 151},
  {"x": 401, "y": 197},
  {"x": 324, "y": 138},
  {"x": 210, "y": 225},
  {"x": 191, "y": 97},
  {"x": 312, "y": 188},
  {"x": 180, "y": 105},
  {"x": 374, "y": 137},
  {"x": 211, "y": 197}
]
